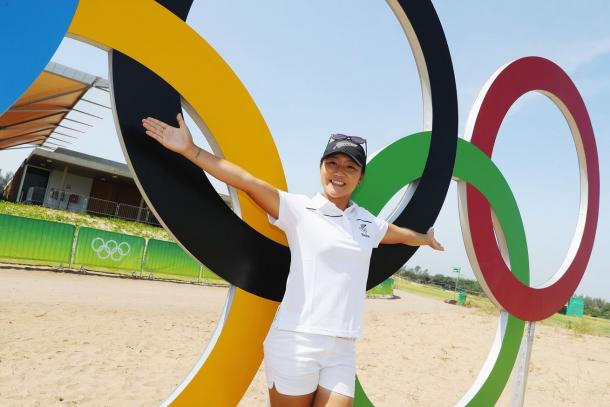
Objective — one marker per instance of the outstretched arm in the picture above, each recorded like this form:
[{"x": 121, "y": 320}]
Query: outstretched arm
[
  {"x": 396, "y": 234},
  {"x": 179, "y": 140}
]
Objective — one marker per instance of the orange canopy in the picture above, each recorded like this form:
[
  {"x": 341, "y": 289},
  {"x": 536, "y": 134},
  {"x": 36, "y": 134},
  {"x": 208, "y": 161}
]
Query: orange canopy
[{"x": 40, "y": 113}]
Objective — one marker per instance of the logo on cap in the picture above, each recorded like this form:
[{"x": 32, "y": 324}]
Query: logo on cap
[{"x": 344, "y": 143}]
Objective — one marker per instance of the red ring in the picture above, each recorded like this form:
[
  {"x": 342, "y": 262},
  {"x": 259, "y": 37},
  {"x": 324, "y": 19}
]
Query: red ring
[{"x": 513, "y": 81}]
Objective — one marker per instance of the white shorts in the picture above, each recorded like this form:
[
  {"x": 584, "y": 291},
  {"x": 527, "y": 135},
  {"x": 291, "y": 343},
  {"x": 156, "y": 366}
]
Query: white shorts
[{"x": 297, "y": 362}]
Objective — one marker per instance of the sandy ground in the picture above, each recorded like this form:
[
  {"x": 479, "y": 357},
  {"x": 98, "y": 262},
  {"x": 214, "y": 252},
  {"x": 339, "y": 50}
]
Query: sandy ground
[{"x": 75, "y": 340}]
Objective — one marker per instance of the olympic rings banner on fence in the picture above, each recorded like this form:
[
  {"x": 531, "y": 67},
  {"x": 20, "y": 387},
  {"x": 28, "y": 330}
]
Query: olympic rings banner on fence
[
  {"x": 165, "y": 64},
  {"x": 97, "y": 248}
]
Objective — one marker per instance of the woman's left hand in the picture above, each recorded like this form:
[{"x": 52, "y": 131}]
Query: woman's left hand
[{"x": 433, "y": 242}]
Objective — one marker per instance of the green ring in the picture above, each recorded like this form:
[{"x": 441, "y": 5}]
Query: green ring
[{"x": 404, "y": 160}]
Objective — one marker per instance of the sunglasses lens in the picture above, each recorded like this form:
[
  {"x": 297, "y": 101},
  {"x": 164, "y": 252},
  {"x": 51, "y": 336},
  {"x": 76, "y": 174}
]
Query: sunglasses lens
[{"x": 355, "y": 139}]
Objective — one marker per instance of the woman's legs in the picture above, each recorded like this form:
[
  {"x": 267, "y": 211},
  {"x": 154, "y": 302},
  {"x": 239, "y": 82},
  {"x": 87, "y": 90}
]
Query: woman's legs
[
  {"x": 326, "y": 398},
  {"x": 281, "y": 400},
  {"x": 320, "y": 398}
]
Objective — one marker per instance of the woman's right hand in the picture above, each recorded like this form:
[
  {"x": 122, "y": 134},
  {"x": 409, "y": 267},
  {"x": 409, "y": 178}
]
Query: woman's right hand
[
  {"x": 180, "y": 141},
  {"x": 177, "y": 139}
]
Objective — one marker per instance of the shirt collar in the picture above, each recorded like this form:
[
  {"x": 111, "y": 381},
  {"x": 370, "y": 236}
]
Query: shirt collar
[{"x": 320, "y": 202}]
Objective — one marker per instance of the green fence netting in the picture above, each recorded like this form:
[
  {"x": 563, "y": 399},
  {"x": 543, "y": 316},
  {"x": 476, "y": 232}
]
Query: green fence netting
[
  {"x": 385, "y": 288},
  {"x": 35, "y": 240},
  {"x": 168, "y": 258},
  {"x": 576, "y": 307}
]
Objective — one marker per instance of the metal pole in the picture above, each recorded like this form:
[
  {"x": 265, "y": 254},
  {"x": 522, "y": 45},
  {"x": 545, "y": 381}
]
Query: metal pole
[
  {"x": 63, "y": 187},
  {"x": 457, "y": 279},
  {"x": 140, "y": 208},
  {"x": 19, "y": 192},
  {"x": 73, "y": 247},
  {"x": 523, "y": 362}
]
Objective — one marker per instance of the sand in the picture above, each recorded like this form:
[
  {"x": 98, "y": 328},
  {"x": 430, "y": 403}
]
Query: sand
[{"x": 81, "y": 340}]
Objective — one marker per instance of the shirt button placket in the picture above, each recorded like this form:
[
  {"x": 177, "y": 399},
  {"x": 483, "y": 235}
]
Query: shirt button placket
[{"x": 347, "y": 223}]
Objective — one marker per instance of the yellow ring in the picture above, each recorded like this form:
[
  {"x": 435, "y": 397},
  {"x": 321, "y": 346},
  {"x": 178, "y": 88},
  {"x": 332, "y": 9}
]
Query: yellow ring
[{"x": 175, "y": 52}]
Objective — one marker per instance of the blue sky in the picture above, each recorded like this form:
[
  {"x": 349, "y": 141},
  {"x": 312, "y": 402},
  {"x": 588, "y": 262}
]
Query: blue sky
[{"x": 318, "y": 67}]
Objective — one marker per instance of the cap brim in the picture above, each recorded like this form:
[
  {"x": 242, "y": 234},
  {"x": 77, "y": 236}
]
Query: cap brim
[{"x": 347, "y": 154}]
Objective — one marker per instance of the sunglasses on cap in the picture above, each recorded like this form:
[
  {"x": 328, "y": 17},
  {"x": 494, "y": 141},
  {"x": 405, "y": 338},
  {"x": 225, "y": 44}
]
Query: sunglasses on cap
[{"x": 355, "y": 139}]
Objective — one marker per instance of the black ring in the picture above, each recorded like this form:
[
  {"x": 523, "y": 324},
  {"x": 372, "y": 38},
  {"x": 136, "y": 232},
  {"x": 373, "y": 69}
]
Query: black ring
[
  {"x": 426, "y": 203},
  {"x": 188, "y": 205}
]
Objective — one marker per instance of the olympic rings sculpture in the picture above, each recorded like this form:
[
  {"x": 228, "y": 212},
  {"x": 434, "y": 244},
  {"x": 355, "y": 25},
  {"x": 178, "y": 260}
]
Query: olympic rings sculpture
[
  {"x": 105, "y": 249},
  {"x": 142, "y": 65}
]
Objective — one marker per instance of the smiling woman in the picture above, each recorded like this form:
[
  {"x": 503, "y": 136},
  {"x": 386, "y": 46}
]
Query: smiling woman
[
  {"x": 342, "y": 166},
  {"x": 310, "y": 349}
]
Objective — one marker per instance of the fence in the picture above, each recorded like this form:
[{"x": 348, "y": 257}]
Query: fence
[
  {"x": 55, "y": 243},
  {"x": 167, "y": 258},
  {"x": 35, "y": 240},
  {"x": 65, "y": 200},
  {"x": 383, "y": 289},
  {"x": 42, "y": 242}
]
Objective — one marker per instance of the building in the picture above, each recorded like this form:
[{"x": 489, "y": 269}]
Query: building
[
  {"x": 70, "y": 180},
  {"x": 66, "y": 179}
]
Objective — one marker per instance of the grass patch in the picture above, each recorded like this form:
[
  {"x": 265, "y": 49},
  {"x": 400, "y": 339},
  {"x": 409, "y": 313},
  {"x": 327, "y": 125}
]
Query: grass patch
[
  {"x": 426, "y": 290},
  {"x": 581, "y": 326},
  {"x": 481, "y": 303},
  {"x": 586, "y": 325},
  {"x": 79, "y": 219}
]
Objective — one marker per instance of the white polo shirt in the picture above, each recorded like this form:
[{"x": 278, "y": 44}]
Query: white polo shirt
[{"x": 330, "y": 255}]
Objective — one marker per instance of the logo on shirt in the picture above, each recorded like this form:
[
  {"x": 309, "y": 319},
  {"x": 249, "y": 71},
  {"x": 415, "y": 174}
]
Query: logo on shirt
[{"x": 363, "y": 230}]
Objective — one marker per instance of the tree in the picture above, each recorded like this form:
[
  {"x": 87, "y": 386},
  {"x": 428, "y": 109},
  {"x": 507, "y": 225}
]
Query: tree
[
  {"x": 422, "y": 276},
  {"x": 4, "y": 179},
  {"x": 416, "y": 274},
  {"x": 597, "y": 307}
]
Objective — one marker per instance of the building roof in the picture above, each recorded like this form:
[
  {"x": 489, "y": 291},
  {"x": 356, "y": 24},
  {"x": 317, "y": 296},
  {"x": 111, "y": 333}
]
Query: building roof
[
  {"x": 88, "y": 163},
  {"x": 39, "y": 116}
]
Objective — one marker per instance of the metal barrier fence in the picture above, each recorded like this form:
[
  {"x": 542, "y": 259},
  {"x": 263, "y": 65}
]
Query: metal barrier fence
[
  {"x": 383, "y": 289},
  {"x": 41, "y": 242},
  {"x": 35, "y": 240},
  {"x": 65, "y": 200}
]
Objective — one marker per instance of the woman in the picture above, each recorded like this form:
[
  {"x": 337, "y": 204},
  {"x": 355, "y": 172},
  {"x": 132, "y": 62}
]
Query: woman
[{"x": 310, "y": 348}]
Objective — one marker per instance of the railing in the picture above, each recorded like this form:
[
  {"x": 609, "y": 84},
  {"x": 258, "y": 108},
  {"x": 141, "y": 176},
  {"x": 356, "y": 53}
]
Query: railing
[{"x": 66, "y": 200}]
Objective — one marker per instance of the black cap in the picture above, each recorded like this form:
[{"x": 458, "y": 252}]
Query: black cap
[{"x": 354, "y": 150}]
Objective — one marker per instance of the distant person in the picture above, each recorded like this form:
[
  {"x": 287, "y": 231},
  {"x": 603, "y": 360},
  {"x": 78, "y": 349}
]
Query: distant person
[{"x": 310, "y": 355}]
